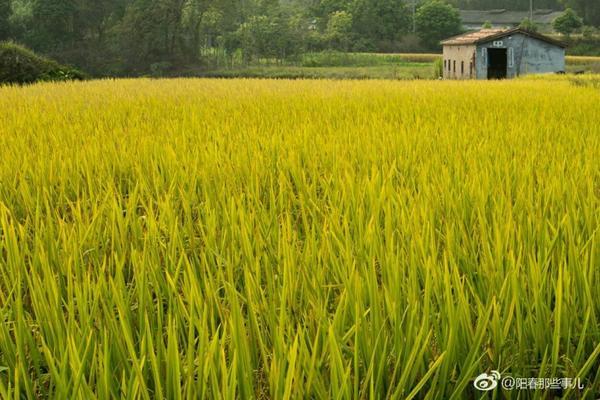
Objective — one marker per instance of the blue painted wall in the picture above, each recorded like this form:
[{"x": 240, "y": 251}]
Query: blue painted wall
[{"x": 526, "y": 55}]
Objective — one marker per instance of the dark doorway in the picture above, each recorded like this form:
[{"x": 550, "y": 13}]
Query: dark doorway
[{"x": 497, "y": 63}]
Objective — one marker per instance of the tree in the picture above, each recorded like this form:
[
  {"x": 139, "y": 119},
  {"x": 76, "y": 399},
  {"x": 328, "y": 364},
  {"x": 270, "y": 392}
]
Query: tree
[
  {"x": 53, "y": 23},
  {"x": 338, "y": 30},
  {"x": 567, "y": 23},
  {"x": 151, "y": 31},
  {"x": 209, "y": 25},
  {"x": 436, "y": 20},
  {"x": 378, "y": 21},
  {"x": 528, "y": 25},
  {"x": 588, "y": 9},
  {"x": 322, "y": 9},
  {"x": 588, "y": 32},
  {"x": 263, "y": 36},
  {"x": 5, "y": 11}
]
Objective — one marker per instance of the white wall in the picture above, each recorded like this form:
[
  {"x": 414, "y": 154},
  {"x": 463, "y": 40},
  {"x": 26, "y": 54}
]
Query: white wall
[{"x": 462, "y": 57}]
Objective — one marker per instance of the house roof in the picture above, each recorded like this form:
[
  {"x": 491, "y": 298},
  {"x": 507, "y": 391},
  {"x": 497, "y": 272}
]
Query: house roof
[
  {"x": 486, "y": 35},
  {"x": 506, "y": 17},
  {"x": 472, "y": 37}
]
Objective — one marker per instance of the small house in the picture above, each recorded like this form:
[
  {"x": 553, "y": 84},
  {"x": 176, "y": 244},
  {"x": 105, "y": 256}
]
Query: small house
[{"x": 500, "y": 54}]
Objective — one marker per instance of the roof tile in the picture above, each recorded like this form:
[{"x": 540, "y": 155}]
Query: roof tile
[
  {"x": 472, "y": 37},
  {"x": 485, "y": 35}
]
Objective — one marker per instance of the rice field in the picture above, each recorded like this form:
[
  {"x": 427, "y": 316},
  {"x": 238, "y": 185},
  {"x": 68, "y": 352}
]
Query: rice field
[
  {"x": 582, "y": 60},
  {"x": 298, "y": 239}
]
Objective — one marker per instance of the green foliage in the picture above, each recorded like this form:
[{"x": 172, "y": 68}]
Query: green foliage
[
  {"x": 439, "y": 68},
  {"x": 20, "y": 65},
  {"x": 589, "y": 9},
  {"x": 160, "y": 69},
  {"x": 583, "y": 46},
  {"x": 345, "y": 59},
  {"x": 131, "y": 37},
  {"x": 405, "y": 71},
  {"x": 331, "y": 65},
  {"x": 265, "y": 37},
  {"x": 567, "y": 23},
  {"x": 487, "y": 25},
  {"x": 377, "y": 25},
  {"x": 146, "y": 36},
  {"x": 339, "y": 29},
  {"x": 379, "y": 21},
  {"x": 5, "y": 12},
  {"x": 588, "y": 32},
  {"x": 528, "y": 25},
  {"x": 436, "y": 20},
  {"x": 54, "y": 24}
]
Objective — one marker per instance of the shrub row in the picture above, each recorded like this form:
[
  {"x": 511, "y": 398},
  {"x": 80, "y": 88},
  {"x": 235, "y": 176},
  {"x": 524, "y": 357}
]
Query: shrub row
[{"x": 19, "y": 65}]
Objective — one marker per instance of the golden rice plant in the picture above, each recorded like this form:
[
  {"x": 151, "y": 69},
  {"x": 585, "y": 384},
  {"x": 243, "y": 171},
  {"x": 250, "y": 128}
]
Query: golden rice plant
[
  {"x": 582, "y": 60},
  {"x": 297, "y": 239}
]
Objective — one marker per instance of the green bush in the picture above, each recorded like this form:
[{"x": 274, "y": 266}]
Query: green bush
[
  {"x": 160, "y": 69},
  {"x": 19, "y": 65},
  {"x": 439, "y": 68},
  {"x": 584, "y": 48}
]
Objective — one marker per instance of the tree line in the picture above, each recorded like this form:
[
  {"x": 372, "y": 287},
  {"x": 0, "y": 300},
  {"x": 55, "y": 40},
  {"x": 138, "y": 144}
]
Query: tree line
[{"x": 119, "y": 37}]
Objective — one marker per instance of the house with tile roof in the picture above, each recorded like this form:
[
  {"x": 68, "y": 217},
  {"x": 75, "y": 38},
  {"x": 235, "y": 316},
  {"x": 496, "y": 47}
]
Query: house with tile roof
[{"x": 501, "y": 53}]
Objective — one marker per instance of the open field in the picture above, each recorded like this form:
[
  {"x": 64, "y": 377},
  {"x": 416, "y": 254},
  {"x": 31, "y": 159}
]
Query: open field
[
  {"x": 198, "y": 238},
  {"x": 337, "y": 65},
  {"x": 583, "y": 64},
  {"x": 328, "y": 65},
  {"x": 404, "y": 71},
  {"x": 329, "y": 59}
]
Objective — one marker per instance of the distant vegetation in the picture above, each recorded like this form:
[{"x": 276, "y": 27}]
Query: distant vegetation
[
  {"x": 331, "y": 65},
  {"x": 339, "y": 59},
  {"x": 20, "y": 65},
  {"x": 162, "y": 37},
  {"x": 567, "y": 23},
  {"x": 341, "y": 65},
  {"x": 583, "y": 45}
]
